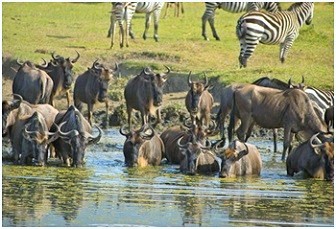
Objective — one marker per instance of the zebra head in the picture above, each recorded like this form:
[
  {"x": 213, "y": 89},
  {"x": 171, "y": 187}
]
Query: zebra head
[{"x": 304, "y": 10}]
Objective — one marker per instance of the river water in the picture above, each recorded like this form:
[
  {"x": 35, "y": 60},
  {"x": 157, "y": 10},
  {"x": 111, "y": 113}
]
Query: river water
[{"x": 106, "y": 193}]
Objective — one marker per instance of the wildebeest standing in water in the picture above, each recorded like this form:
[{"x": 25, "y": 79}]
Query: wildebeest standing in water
[
  {"x": 12, "y": 110},
  {"x": 75, "y": 136},
  {"x": 142, "y": 147},
  {"x": 60, "y": 71},
  {"x": 91, "y": 86},
  {"x": 199, "y": 101},
  {"x": 29, "y": 137},
  {"x": 144, "y": 93},
  {"x": 314, "y": 159},
  {"x": 33, "y": 84},
  {"x": 239, "y": 159},
  {"x": 197, "y": 158}
]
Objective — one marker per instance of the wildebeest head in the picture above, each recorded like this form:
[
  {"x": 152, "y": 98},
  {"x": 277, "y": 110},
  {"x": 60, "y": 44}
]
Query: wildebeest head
[
  {"x": 7, "y": 108},
  {"x": 196, "y": 90},
  {"x": 300, "y": 86},
  {"x": 326, "y": 151},
  {"x": 191, "y": 152},
  {"x": 134, "y": 140},
  {"x": 157, "y": 81},
  {"x": 71, "y": 130},
  {"x": 67, "y": 65},
  {"x": 229, "y": 156},
  {"x": 200, "y": 132},
  {"x": 36, "y": 138},
  {"x": 104, "y": 75}
]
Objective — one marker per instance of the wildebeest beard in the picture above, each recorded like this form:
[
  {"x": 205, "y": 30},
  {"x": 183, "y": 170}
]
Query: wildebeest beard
[
  {"x": 157, "y": 94},
  {"x": 329, "y": 167},
  {"x": 102, "y": 91}
]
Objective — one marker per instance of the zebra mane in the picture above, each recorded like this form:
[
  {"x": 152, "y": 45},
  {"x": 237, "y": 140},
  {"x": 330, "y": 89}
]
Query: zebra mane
[{"x": 295, "y": 6}]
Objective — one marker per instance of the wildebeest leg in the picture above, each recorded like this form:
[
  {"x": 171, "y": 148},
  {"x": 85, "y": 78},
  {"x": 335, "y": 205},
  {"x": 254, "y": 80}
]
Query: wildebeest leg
[
  {"x": 158, "y": 116},
  {"x": 68, "y": 97},
  {"x": 246, "y": 123},
  {"x": 286, "y": 142},
  {"x": 129, "y": 113},
  {"x": 275, "y": 134},
  {"x": 90, "y": 109},
  {"x": 107, "y": 115},
  {"x": 249, "y": 132},
  {"x": 147, "y": 24}
]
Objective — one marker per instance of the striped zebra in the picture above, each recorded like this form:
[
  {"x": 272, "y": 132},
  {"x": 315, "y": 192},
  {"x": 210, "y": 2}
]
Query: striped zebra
[
  {"x": 233, "y": 7},
  {"x": 125, "y": 11},
  {"x": 272, "y": 28}
]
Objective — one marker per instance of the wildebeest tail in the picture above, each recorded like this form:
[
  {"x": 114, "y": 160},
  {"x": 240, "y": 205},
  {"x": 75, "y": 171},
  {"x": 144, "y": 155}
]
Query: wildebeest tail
[{"x": 232, "y": 117}]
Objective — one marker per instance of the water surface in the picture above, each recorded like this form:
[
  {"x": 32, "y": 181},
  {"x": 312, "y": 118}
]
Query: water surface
[{"x": 105, "y": 193}]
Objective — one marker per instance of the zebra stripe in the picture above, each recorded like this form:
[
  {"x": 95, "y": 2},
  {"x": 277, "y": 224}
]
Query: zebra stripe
[
  {"x": 125, "y": 11},
  {"x": 272, "y": 28},
  {"x": 324, "y": 99},
  {"x": 233, "y": 7}
]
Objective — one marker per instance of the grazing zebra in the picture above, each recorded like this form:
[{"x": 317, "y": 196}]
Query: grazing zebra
[
  {"x": 272, "y": 28},
  {"x": 233, "y": 7},
  {"x": 125, "y": 11}
]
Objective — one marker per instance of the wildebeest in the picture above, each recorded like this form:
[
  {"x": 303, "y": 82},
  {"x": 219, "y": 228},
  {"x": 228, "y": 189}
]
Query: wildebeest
[
  {"x": 239, "y": 159},
  {"x": 75, "y": 136},
  {"x": 33, "y": 84},
  {"x": 92, "y": 86},
  {"x": 29, "y": 138},
  {"x": 142, "y": 147},
  {"x": 314, "y": 159},
  {"x": 144, "y": 93},
  {"x": 177, "y": 6},
  {"x": 197, "y": 158},
  {"x": 272, "y": 108},
  {"x": 199, "y": 101},
  {"x": 225, "y": 107},
  {"x": 171, "y": 135},
  {"x": 60, "y": 71},
  {"x": 13, "y": 110},
  {"x": 329, "y": 117}
]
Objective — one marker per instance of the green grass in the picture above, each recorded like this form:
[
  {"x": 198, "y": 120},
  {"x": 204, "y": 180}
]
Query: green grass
[{"x": 29, "y": 29}]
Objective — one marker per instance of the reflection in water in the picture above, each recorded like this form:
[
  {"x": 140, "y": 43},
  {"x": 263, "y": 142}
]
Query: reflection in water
[{"x": 106, "y": 193}]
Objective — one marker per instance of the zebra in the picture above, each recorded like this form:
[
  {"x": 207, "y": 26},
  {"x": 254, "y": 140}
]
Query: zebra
[
  {"x": 272, "y": 28},
  {"x": 233, "y": 7},
  {"x": 177, "y": 6},
  {"x": 125, "y": 11}
]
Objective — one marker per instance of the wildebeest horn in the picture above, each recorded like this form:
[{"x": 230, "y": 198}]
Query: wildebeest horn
[
  {"x": 189, "y": 78},
  {"x": 18, "y": 62},
  {"x": 168, "y": 69},
  {"x": 68, "y": 134},
  {"x": 217, "y": 148},
  {"x": 247, "y": 149},
  {"x": 122, "y": 131},
  {"x": 206, "y": 80},
  {"x": 44, "y": 65},
  {"x": 314, "y": 137},
  {"x": 145, "y": 70},
  {"x": 92, "y": 139},
  {"x": 179, "y": 143},
  {"x": 75, "y": 60},
  {"x": 143, "y": 132},
  {"x": 187, "y": 124},
  {"x": 55, "y": 57},
  {"x": 302, "y": 81},
  {"x": 96, "y": 65},
  {"x": 17, "y": 96}
]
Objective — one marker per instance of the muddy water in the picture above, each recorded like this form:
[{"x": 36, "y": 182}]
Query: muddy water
[{"x": 105, "y": 193}]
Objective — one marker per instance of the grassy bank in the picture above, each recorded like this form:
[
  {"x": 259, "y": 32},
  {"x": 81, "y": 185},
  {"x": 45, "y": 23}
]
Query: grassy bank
[{"x": 34, "y": 30}]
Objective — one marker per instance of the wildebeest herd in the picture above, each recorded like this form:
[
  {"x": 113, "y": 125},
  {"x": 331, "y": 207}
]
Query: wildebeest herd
[{"x": 38, "y": 131}]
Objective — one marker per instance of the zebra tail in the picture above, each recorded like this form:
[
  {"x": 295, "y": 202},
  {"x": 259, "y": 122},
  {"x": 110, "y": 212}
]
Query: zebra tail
[{"x": 241, "y": 28}]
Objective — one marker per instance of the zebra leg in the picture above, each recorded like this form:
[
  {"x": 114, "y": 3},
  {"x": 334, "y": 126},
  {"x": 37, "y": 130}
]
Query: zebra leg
[
  {"x": 112, "y": 29},
  {"x": 131, "y": 34},
  {"x": 212, "y": 26},
  {"x": 285, "y": 46},
  {"x": 147, "y": 24},
  {"x": 156, "y": 25},
  {"x": 248, "y": 49},
  {"x": 204, "y": 20},
  {"x": 111, "y": 24}
]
